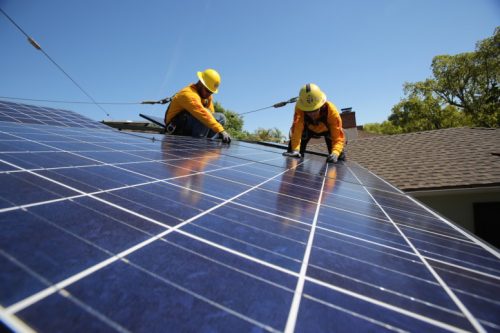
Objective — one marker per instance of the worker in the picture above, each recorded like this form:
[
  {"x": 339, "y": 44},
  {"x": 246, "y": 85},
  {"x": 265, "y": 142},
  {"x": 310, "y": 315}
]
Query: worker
[
  {"x": 316, "y": 117},
  {"x": 191, "y": 111}
]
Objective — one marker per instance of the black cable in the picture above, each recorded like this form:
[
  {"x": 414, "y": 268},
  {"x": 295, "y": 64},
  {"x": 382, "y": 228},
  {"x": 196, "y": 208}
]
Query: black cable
[{"x": 38, "y": 47}]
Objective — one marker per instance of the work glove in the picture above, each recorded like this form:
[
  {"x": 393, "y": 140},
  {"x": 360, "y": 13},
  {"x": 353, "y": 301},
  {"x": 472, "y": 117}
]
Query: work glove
[
  {"x": 292, "y": 154},
  {"x": 332, "y": 158},
  {"x": 225, "y": 137}
]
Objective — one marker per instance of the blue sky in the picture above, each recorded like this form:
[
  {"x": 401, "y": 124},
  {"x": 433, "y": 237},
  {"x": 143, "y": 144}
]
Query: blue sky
[{"x": 360, "y": 52}]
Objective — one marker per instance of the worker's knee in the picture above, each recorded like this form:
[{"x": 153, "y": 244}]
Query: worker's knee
[{"x": 220, "y": 117}]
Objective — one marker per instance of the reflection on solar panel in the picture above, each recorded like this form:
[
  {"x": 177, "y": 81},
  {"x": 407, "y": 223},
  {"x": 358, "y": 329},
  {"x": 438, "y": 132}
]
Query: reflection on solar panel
[
  {"x": 30, "y": 114},
  {"x": 102, "y": 231}
]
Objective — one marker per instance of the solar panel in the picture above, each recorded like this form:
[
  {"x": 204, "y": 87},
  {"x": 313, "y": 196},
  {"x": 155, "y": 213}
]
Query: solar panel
[
  {"x": 31, "y": 114},
  {"x": 103, "y": 231}
]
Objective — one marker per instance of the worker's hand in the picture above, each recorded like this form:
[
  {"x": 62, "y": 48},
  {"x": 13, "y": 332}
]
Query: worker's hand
[
  {"x": 292, "y": 154},
  {"x": 226, "y": 138},
  {"x": 332, "y": 158}
]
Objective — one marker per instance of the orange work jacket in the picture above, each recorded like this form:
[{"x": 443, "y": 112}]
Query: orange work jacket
[
  {"x": 188, "y": 100},
  {"x": 333, "y": 125}
]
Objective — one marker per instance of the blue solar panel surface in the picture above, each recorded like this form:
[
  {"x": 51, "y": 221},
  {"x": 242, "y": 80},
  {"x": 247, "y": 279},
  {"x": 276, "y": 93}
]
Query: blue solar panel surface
[
  {"x": 103, "y": 231},
  {"x": 31, "y": 114}
]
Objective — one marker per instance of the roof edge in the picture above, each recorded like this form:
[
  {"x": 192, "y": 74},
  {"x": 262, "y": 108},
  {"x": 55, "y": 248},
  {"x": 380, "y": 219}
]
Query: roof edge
[{"x": 469, "y": 189}]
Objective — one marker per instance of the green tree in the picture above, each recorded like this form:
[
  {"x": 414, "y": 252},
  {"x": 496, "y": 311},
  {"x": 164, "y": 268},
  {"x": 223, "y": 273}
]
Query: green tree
[
  {"x": 385, "y": 127},
  {"x": 470, "y": 81},
  {"x": 268, "y": 135},
  {"x": 422, "y": 111},
  {"x": 234, "y": 125},
  {"x": 463, "y": 91},
  {"x": 234, "y": 122}
]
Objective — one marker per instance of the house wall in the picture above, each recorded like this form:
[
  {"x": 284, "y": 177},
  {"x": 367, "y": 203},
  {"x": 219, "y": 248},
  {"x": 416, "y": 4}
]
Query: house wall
[{"x": 456, "y": 205}]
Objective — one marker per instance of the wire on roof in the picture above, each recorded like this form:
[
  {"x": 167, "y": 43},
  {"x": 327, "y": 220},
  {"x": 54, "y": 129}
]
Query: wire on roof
[{"x": 38, "y": 47}]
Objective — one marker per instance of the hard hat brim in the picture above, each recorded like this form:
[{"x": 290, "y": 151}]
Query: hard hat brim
[
  {"x": 309, "y": 108},
  {"x": 200, "y": 77}
]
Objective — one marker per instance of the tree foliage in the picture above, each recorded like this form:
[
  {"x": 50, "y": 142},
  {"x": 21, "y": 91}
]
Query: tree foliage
[
  {"x": 470, "y": 81},
  {"x": 463, "y": 91},
  {"x": 234, "y": 125},
  {"x": 385, "y": 127},
  {"x": 268, "y": 135},
  {"x": 234, "y": 122},
  {"x": 422, "y": 111}
]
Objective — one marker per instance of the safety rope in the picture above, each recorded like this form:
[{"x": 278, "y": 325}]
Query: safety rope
[
  {"x": 277, "y": 105},
  {"x": 39, "y": 48},
  {"x": 161, "y": 101}
]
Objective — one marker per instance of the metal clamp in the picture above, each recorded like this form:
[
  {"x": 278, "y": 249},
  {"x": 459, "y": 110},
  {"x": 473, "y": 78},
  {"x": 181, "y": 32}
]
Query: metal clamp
[{"x": 170, "y": 129}]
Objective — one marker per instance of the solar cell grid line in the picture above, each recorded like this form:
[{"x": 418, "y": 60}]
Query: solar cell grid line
[
  {"x": 100, "y": 191},
  {"x": 417, "y": 204},
  {"x": 14, "y": 323},
  {"x": 16, "y": 110},
  {"x": 458, "y": 229},
  {"x": 382, "y": 304},
  {"x": 26, "y": 113},
  {"x": 154, "y": 180},
  {"x": 223, "y": 203},
  {"x": 42, "y": 164},
  {"x": 435, "y": 222},
  {"x": 6, "y": 117},
  {"x": 429, "y": 233},
  {"x": 111, "y": 147},
  {"x": 473, "y": 320},
  {"x": 368, "y": 178},
  {"x": 294, "y": 308},
  {"x": 48, "y": 145},
  {"x": 224, "y": 214},
  {"x": 32, "y": 116}
]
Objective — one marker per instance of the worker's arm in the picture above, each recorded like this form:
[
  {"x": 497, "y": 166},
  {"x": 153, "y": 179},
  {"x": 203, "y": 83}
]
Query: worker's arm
[
  {"x": 335, "y": 128},
  {"x": 192, "y": 103},
  {"x": 297, "y": 129}
]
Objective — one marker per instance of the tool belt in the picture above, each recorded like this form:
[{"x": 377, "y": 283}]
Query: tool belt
[{"x": 177, "y": 126}]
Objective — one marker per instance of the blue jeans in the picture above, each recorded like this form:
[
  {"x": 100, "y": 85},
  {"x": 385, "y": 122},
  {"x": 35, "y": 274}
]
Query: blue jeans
[{"x": 198, "y": 130}]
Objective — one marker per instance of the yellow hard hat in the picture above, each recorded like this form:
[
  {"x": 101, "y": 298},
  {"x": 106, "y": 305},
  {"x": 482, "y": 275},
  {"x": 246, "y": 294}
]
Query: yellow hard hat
[
  {"x": 310, "y": 98},
  {"x": 210, "y": 79}
]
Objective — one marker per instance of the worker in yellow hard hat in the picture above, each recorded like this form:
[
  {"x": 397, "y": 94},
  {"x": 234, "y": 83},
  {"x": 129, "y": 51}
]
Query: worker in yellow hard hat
[
  {"x": 316, "y": 117},
  {"x": 191, "y": 111}
]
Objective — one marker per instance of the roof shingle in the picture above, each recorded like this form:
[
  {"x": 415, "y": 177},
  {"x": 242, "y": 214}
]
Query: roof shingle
[{"x": 440, "y": 159}]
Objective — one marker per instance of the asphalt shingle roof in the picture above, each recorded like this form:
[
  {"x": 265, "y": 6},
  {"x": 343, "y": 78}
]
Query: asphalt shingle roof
[{"x": 439, "y": 159}]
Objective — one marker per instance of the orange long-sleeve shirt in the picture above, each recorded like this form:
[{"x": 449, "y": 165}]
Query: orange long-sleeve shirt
[
  {"x": 187, "y": 99},
  {"x": 334, "y": 125}
]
